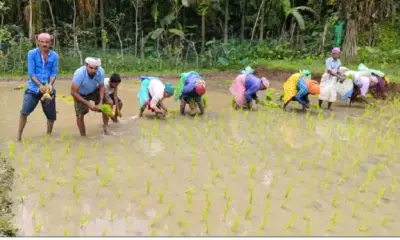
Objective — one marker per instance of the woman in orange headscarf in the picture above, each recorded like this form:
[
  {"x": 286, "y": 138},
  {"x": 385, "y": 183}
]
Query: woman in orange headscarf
[{"x": 298, "y": 87}]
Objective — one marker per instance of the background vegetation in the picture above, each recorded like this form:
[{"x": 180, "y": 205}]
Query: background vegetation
[{"x": 171, "y": 35}]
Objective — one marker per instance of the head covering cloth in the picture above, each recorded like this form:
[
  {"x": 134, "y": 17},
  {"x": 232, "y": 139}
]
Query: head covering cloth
[
  {"x": 92, "y": 61},
  {"x": 169, "y": 89},
  {"x": 336, "y": 51}
]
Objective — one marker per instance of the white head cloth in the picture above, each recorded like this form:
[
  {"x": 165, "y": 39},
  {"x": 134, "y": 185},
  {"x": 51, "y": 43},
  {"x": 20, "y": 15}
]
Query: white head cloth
[
  {"x": 265, "y": 82},
  {"x": 94, "y": 62}
]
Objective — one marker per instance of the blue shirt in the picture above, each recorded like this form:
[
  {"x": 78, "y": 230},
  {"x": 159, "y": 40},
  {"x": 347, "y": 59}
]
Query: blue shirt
[
  {"x": 252, "y": 85},
  {"x": 332, "y": 64},
  {"x": 302, "y": 94},
  {"x": 190, "y": 83},
  {"x": 42, "y": 71},
  {"x": 87, "y": 84}
]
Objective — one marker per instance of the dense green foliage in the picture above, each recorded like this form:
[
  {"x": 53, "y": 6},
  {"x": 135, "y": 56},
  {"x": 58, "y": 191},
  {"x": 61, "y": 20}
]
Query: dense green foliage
[{"x": 156, "y": 35}]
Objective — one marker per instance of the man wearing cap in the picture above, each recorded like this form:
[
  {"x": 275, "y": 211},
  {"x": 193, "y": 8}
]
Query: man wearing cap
[
  {"x": 152, "y": 93},
  {"x": 88, "y": 85},
  {"x": 194, "y": 87},
  {"x": 42, "y": 72}
]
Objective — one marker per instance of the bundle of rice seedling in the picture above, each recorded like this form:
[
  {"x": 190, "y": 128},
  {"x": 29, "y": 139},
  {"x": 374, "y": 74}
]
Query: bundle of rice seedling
[
  {"x": 47, "y": 94},
  {"x": 106, "y": 109}
]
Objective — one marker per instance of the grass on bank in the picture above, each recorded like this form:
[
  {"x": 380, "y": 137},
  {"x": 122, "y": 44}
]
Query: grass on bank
[{"x": 316, "y": 66}]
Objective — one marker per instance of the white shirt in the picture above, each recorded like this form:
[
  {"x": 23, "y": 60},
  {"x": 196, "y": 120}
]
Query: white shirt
[
  {"x": 156, "y": 90},
  {"x": 108, "y": 88}
]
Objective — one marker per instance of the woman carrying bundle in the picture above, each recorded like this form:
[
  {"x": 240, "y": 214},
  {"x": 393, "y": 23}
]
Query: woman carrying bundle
[
  {"x": 330, "y": 79},
  {"x": 190, "y": 90},
  {"x": 245, "y": 87},
  {"x": 298, "y": 87},
  {"x": 152, "y": 93}
]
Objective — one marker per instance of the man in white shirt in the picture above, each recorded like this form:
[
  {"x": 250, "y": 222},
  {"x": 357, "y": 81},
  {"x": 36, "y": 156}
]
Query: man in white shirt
[{"x": 111, "y": 94}]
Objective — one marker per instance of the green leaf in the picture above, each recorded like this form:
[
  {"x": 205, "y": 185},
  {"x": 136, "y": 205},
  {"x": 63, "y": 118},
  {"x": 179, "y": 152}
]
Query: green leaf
[
  {"x": 210, "y": 42},
  {"x": 177, "y": 32},
  {"x": 298, "y": 17},
  {"x": 185, "y": 3},
  {"x": 167, "y": 20}
]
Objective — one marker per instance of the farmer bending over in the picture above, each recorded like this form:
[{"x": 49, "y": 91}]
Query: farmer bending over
[
  {"x": 111, "y": 94},
  {"x": 42, "y": 71},
  {"x": 152, "y": 93},
  {"x": 88, "y": 85},
  {"x": 245, "y": 87},
  {"x": 193, "y": 87},
  {"x": 298, "y": 87}
]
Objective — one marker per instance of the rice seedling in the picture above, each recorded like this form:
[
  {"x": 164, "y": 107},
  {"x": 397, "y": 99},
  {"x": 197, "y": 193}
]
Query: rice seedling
[
  {"x": 38, "y": 227},
  {"x": 364, "y": 226},
  {"x": 84, "y": 221},
  {"x": 161, "y": 197},
  {"x": 148, "y": 186},
  {"x": 235, "y": 225},
  {"x": 385, "y": 221},
  {"x": 334, "y": 220},
  {"x": 393, "y": 185},
  {"x": 248, "y": 212},
  {"x": 289, "y": 225},
  {"x": 11, "y": 149},
  {"x": 380, "y": 196},
  {"x": 42, "y": 201},
  {"x": 356, "y": 208},
  {"x": 141, "y": 206},
  {"x": 104, "y": 232},
  {"x": 335, "y": 200},
  {"x": 170, "y": 208},
  {"x": 112, "y": 216}
]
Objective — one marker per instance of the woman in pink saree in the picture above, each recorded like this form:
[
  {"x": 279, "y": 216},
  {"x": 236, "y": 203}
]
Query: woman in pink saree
[{"x": 245, "y": 87}]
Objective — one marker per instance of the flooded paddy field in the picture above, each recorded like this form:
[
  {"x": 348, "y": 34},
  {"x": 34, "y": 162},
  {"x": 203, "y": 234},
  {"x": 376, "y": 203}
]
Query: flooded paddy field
[{"x": 228, "y": 173}]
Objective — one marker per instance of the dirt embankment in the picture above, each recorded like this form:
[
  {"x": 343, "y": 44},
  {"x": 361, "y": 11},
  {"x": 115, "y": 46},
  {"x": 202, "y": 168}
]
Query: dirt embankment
[
  {"x": 274, "y": 75},
  {"x": 6, "y": 181}
]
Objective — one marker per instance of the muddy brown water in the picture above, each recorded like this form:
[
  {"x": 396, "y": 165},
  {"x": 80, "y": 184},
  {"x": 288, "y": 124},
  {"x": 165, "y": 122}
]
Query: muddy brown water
[{"x": 227, "y": 173}]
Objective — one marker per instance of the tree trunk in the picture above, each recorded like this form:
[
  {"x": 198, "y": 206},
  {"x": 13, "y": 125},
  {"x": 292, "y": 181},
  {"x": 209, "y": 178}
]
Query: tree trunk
[
  {"x": 30, "y": 20},
  {"x": 103, "y": 44},
  {"x": 54, "y": 24},
  {"x": 262, "y": 17},
  {"x": 258, "y": 15},
  {"x": 350, "y": 39},
  {"x": 203, "y": 31},
  {"x": 226, "y": 21},
  {"x": 136, "y": 5},
  {"x": 242, "y": 19}
]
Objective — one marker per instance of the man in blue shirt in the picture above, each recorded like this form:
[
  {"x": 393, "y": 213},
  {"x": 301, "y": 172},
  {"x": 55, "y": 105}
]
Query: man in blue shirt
[
  {"x": 42, "y": 71},
  {"x": 88, "y": 85}
]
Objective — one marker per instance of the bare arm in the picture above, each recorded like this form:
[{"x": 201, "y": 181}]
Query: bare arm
[
  {"x": 163, "y": 106},
  {"x": 77, "y": 96},
  {"x": 102, "y": 92},
  {"x": 116, "y": 101}
]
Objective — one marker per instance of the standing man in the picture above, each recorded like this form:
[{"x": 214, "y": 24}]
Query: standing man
[
  {"x": 42, "y": 71},
  {"x": 88, "y": 85}
]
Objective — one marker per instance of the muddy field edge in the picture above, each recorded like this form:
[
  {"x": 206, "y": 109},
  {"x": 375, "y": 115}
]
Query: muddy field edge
[{"x": 7, "y": 228}]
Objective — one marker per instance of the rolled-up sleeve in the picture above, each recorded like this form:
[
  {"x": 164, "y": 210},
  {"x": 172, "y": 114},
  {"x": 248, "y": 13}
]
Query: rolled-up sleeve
[
  {"x": 77, "y": 78},
  {"x": 328, "y": 64},
  {"x": 54, "y": 69},
  {"x": 31, "y": 64}
]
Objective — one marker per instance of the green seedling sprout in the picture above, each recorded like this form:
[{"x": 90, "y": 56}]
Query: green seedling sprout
[
  {"x": 78, "y": 195},
  {"x": 141, "y": 205},
  {"x": 252, "y": 171},
  {"x": 251, "y": 190},
  {"x": 148, "y": 186},
  {"x": 38, "y": 227},
  {"x": 42, "y": 201},
  {"x": 355, "y": 209},
  {"x": 118, "y": 193},
  {"x": 364, "y": 226},
  {"x": 155, "y": 220},
  {"x": 66, "y": 233},
  {"x": 11, "y": 149},
  {"x": 161, "y": 197},
  {"x": 84, "y": 221},
  {"x": 308, "y": 228},
  {"x": 380, "y": 196},
  {"x": 393, "y": 184},
  {"x": 112, "y": 216},
  {"x": 227, "y": 207},
  {"x": 170, "y": 207},
  {"x": 97, "y": 169},
  {"x": 104, "y": 233},
  {"x": 235, "y": 225},
  {"x": 248, "y": 212},
  {"x": 385, "y": 221},
  {"x": 43, "y": 176},
  {"x": 289, "y": 225},
  {"x": 335, "y": 200},
  {"x": 333, "y": 221}
]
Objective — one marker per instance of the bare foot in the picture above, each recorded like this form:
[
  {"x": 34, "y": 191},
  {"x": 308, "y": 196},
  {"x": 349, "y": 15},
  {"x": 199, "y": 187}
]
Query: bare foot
[{"x": 105, "y": 131}]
